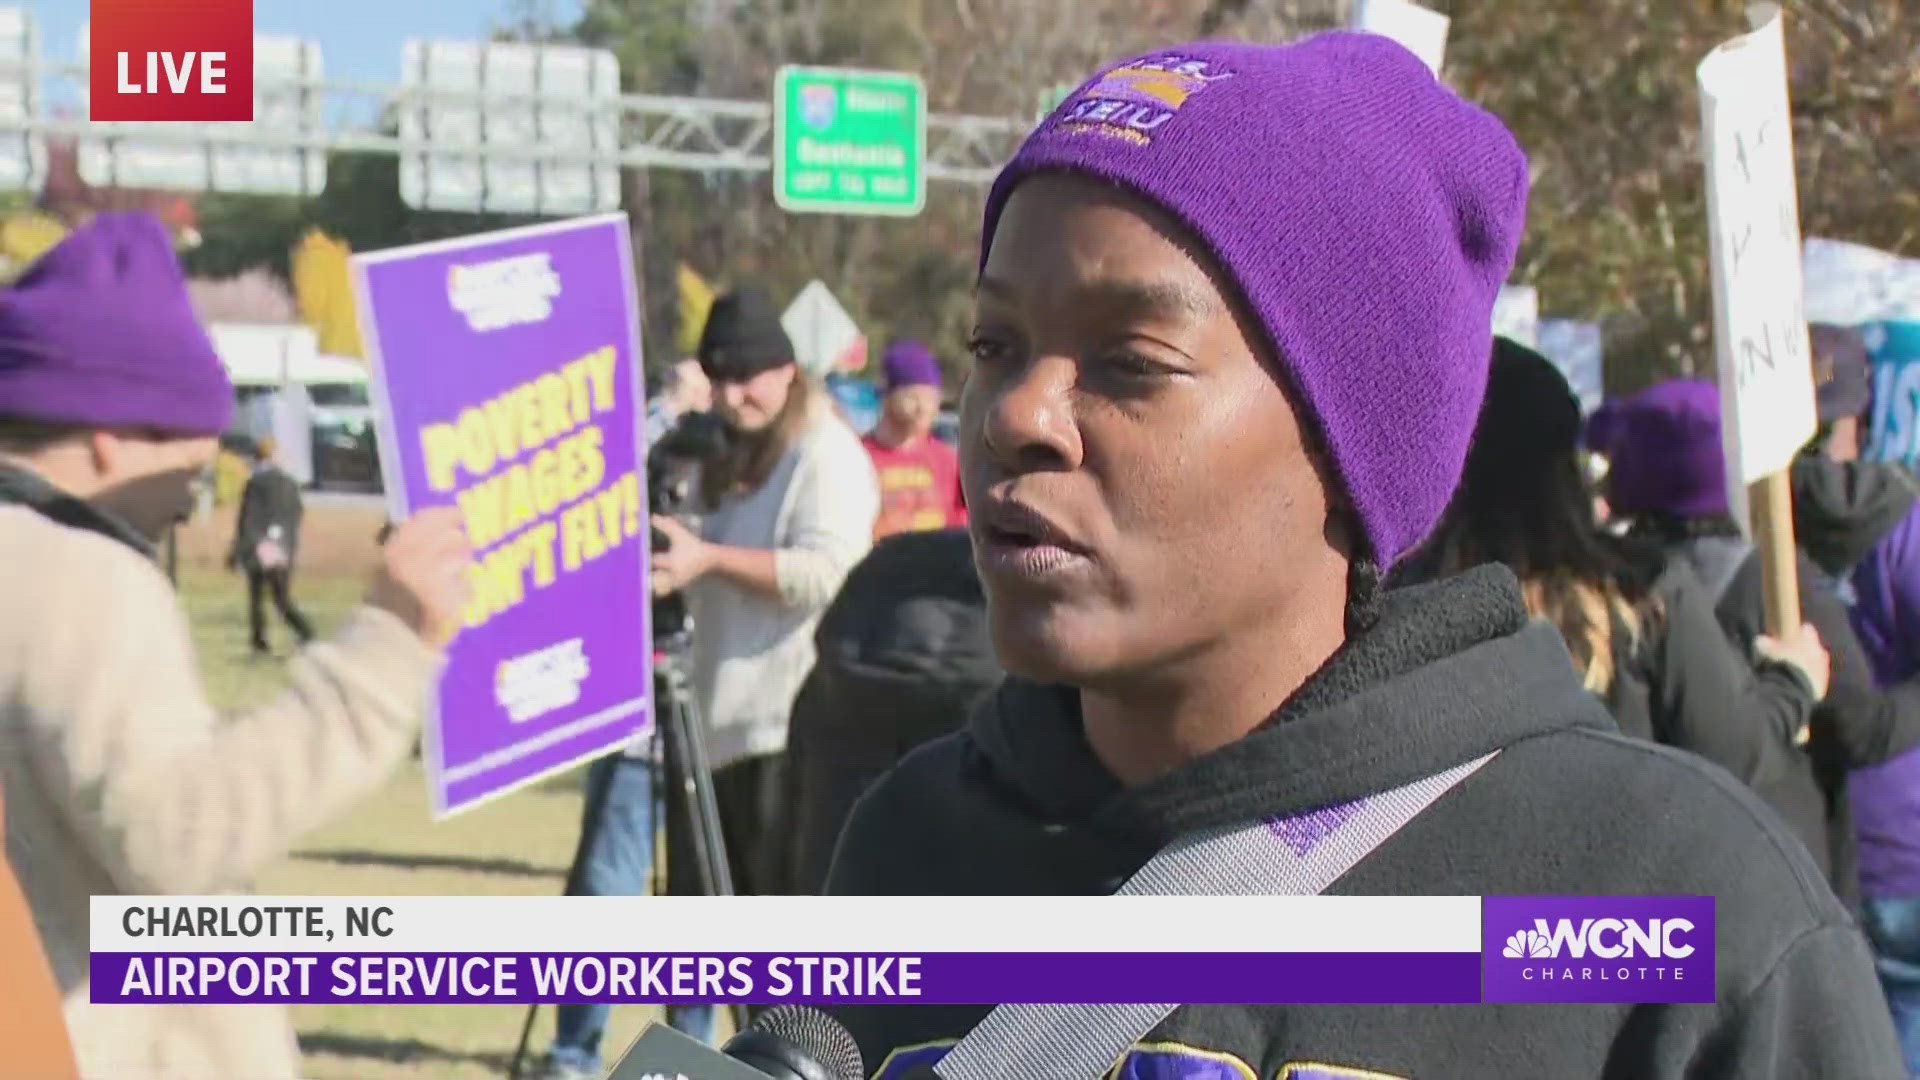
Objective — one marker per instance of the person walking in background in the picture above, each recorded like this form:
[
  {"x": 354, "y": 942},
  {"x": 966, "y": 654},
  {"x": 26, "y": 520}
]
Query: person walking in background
[
  {"x": 1642, "y": 635},
  {"x": 119, "y": 777},
  {"x": 266, "y": 540},
  {"x": 784, "y": 515},
  {"x": 919, "y": 474}
]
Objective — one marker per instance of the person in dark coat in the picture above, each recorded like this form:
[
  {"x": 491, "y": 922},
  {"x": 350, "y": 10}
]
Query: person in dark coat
[
  {"x": 903, "y": 657},
  {"x": 1668, "y": 477},
  {"x": 265, "y": 540},
  {"x": 1642, "y": 636}
]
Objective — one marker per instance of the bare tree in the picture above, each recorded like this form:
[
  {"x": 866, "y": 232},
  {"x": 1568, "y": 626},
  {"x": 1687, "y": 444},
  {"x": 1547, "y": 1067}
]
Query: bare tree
[{"x": 1601, "y": 93}]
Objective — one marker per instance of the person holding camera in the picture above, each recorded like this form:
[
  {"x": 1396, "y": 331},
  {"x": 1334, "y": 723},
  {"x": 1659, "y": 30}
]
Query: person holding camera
[
  {"x": 788, "y": 509},
  {"x": 119, "y": 776},
  {"x": 783, "y": 509}
]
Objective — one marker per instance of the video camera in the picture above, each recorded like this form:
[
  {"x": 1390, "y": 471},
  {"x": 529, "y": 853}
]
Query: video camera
[{"x": 673, "y": 465}]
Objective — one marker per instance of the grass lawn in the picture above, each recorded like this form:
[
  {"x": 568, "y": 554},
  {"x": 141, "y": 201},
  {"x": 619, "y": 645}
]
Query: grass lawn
[{"x": 389, "y": 845}]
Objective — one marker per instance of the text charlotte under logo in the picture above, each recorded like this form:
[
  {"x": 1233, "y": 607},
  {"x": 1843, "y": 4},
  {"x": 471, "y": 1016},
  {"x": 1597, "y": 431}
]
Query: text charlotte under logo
[{"x": 1627, "y": 949}]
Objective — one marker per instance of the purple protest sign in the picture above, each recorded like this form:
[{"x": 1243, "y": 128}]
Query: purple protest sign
[{"x": 507, "y": 371}]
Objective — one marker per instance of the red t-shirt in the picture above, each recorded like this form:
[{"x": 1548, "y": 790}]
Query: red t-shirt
[{"x": 919, "y": 486}]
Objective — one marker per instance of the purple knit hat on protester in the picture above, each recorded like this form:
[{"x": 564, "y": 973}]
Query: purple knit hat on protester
[
  {"x": 909, "y": 363},
  {"x": 1367, "y": 215},
  {"x": 1664, "y": 453},
  {"x": 99, "y": 332}
]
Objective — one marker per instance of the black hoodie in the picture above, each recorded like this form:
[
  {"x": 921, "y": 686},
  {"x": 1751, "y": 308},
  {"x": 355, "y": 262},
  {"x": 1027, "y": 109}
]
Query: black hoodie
[
  {"x": 1018, "y": 805},
  {"x": 903, "y": 655}
]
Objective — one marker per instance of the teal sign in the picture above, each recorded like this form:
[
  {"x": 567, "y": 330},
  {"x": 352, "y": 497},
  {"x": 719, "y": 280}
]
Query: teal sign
[
  {"x": 849, "y": 142},
  {"x": 1894, "y": 433}
]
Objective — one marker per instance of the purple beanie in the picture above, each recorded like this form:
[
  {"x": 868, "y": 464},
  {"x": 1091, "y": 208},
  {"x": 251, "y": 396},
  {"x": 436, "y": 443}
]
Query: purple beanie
[
  {"x": 909, "y": 363},
  {"x": 99, "y": 332},
  {"x": 1598, "y": 436},
  {"x": 1663, "y": 449},
  {"x": 1367, "y": 215}
]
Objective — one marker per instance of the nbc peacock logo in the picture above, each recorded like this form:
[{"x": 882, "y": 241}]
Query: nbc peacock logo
[{"x": 1527, "y": 945}]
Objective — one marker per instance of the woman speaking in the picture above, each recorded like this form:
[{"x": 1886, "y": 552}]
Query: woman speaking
[{"x": 1231, "y": 336}]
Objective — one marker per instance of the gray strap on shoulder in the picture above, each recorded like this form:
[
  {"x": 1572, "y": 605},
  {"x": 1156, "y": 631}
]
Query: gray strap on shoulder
[{"x": 1298, "y": 856}]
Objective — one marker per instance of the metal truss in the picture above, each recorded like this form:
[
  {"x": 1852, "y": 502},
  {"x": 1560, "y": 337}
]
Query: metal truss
[{"x": 656, "y": 132}]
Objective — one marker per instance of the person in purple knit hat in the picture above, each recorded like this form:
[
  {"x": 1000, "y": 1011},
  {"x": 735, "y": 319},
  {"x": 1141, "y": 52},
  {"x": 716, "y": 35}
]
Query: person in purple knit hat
[
  {"x": 919, "y": 474},
  {"x": 1860, "y": 522},
  {"x": 119, "y": 776},
  {"x": 1231, "y": 336},
  {"x": 1669, "y": 483}
]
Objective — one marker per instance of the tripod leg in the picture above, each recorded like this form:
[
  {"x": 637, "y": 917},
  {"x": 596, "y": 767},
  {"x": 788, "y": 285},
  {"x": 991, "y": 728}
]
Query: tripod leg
[
  {"x": 689, "y": 839},
  {"x": 664, "y": 824},
  {"x": 526, "y": 1033},
  {"x": 684, "y": 746},
  {"x": 692, "y": 780}
]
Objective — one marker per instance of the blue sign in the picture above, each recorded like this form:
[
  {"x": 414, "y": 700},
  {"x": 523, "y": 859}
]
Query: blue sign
[
  {"x": 1895, "y": 350},
  {"x": 859, "y": 401},
  {"x": 1577, "y": 349}
]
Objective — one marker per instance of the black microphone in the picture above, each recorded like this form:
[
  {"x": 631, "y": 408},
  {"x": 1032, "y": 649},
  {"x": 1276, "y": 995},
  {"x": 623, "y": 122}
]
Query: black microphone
[{"x": 788, "y": 1042}]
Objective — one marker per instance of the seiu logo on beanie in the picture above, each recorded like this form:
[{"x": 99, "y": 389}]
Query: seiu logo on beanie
[{"x": 1135, "y": 99}]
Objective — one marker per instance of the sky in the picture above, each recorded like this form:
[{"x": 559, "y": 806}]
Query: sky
[{"x": 359, "y": 39}]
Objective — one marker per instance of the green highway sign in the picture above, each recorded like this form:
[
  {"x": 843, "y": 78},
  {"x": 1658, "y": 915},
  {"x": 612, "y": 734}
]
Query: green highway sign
[
  {"x": 849, "y": 142},
  {"x": 1052, "y": 96}
]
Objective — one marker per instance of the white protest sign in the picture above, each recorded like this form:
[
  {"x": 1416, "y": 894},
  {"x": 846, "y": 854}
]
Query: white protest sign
[
  {"x": 823, "y": 333},
  {"x": 1759, "y": 321},
  {"x": 1851, "y": 284},
  {"x": 1422, "y": 30},
  {"x": 1516, "y": 314}
]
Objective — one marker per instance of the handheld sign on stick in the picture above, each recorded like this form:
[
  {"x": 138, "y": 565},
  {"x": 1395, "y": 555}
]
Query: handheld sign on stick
[
  {"x": 1759, "y": 321},
  {"x": 1422, "y": 30},
  {"x": 507, "y": 374}
]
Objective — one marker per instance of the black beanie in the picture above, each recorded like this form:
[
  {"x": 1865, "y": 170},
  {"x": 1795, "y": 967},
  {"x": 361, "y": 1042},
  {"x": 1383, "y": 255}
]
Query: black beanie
[
  {"x": 743, "y": 336},
  {"x": 1530, "y": 413}
]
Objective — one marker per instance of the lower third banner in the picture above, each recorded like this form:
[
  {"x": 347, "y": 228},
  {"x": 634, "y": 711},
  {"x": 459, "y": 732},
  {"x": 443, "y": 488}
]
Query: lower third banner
[{"x": 827, "y": 950}]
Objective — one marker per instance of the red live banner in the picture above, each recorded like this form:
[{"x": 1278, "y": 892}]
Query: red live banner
[{"x": 177, "y": 60}]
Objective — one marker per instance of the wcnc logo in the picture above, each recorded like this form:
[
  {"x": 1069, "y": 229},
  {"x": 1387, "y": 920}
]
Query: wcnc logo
[
  {"x": 1607, "y": 939},
  {"x": 171, "y": 60},
  {"x": 1626, "y": 949}
]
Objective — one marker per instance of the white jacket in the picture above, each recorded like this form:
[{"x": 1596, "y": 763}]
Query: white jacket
[
  {"x": 120, "y": 778},
  {"x": 751, "y": 652}
]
